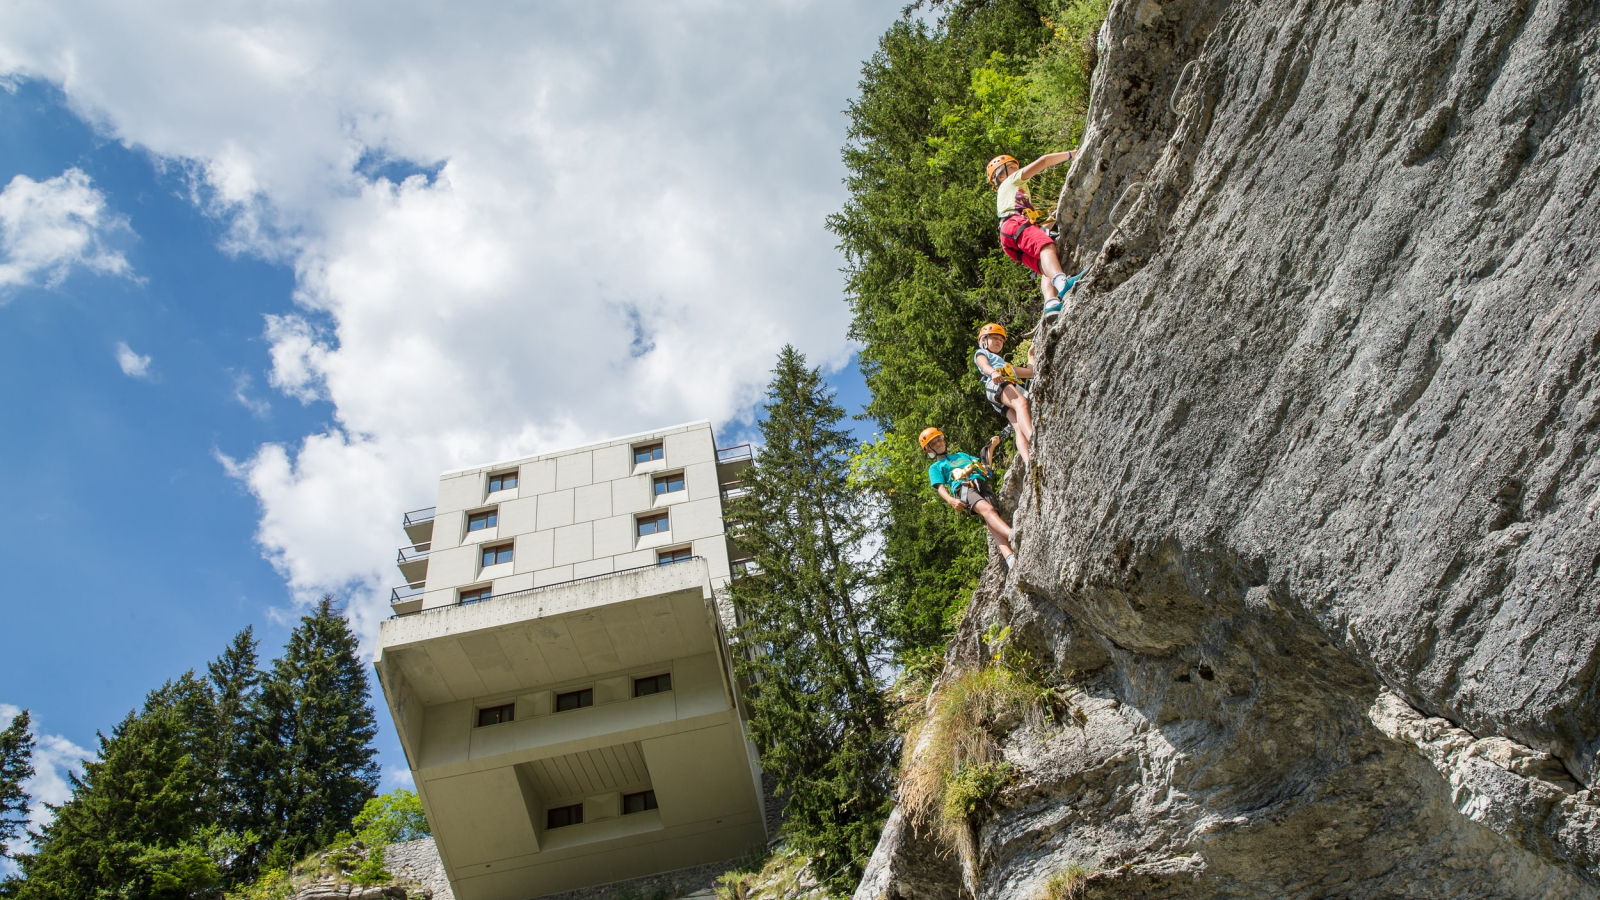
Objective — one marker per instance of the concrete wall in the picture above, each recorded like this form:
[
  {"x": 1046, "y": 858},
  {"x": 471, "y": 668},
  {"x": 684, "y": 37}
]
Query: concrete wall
[{"x": 573, "y": 515}]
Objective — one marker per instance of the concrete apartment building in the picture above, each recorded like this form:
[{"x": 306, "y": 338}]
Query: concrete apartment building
[{"x": 558, "y": 668}]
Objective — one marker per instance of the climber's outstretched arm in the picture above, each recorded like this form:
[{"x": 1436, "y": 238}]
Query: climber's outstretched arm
[{"x": 1046, "y": 161}]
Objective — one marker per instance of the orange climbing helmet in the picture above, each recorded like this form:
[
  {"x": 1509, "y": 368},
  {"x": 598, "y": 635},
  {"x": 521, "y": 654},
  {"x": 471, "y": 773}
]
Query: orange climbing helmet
[
  {"x": 995, "y": 165},
  {"x": 989, "y": 329},
  {"x": 927, "y": 436}
]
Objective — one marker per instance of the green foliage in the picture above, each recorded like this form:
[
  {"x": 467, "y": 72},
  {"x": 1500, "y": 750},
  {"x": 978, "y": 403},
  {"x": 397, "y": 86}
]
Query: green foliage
[
  {"x": 274, "y": 884},
  {"x": 318, "y": 724},
  {"x": 16, "y": 766},
  {"x": 780, "y": 876},
  {"x": 212, "y": 776},
  {"x": 972, "y": 787},
  {"x": 952, "y": 760},
  {"x": 924, "y": 264},
  {"x": 132, "y": 827},
  {"x": 810, "y": 634},
  {"x": 391, "y": 818}
]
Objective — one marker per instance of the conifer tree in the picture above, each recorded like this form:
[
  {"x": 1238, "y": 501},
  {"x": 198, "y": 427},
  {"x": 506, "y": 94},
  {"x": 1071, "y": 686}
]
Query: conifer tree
[
  {"x": 317, "y": 726},
  {"x": 128, "y": 829},
  {"x": 236, "y": 681},
  {"x": 16, "y": 766},
  {"x": 809, "y": 631}
]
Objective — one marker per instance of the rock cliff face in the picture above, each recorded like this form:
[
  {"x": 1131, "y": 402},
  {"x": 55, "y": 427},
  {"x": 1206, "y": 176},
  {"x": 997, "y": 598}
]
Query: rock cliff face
[{"x": 1312, "y": 516}]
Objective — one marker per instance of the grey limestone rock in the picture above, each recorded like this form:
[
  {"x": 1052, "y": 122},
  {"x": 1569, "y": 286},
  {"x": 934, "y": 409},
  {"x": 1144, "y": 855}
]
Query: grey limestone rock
[{"x": 1315, "y": 530}]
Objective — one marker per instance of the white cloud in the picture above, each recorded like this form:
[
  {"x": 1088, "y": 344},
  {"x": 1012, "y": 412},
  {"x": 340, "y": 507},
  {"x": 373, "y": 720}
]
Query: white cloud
[
  {"x": 47, "y": 227},
  {"x": 258, "y": 406},
  {"x": 133, "y": 365},
  {"x": 53, "y": 758},
  {"x": 513, "y": 226}
]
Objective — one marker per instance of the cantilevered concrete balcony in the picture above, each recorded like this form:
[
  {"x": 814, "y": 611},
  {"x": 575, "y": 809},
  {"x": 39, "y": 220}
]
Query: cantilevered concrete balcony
[
  {"x": 518, "y": 710},
  {"x": 418, "y": 525},
  {"x": 413, "y": 562}
]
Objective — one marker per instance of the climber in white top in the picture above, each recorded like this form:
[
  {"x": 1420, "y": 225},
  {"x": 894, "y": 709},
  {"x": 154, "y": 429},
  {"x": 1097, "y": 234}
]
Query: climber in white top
[
  {"x": 1000, "y": 384},
  {"x": 1021, "y": 236}
]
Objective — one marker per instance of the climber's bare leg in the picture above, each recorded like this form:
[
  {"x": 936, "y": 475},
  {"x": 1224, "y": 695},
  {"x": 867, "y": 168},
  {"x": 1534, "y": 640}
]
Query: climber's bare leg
[
  {"x": 998, "y": 529},
  {"x": 1049, "y": 268},
  {"x": 1021, "y": 421}
]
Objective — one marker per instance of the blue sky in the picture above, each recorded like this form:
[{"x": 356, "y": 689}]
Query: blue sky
[{"x": 236, "y": 360}]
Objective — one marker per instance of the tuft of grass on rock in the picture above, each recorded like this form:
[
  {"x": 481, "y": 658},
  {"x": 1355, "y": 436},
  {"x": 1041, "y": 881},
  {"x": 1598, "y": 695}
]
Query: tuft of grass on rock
[{"x": 1066, "y": 884}]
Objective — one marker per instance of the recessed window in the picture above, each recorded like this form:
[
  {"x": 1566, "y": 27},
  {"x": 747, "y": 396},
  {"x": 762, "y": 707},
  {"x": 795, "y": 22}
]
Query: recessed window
[
  {"x": 668, "y": 484},
  {"x": 668, "y": 557},
  {"x": 480, "y": 521},
  {"x": 655, "y": 524},
  {"x": 499, "y": 553},
  {"x": 655, "y": 684},
  {"x": 646, "y": 452},
  {"x": 638, "y": 803},
  {"x": 503, "y": 481},
  {"x": 495, "y": 715},
  {"x": 562, "y": 816},
  {"x": 574, "y": 700},
  {"x": 470, "y": 596}
]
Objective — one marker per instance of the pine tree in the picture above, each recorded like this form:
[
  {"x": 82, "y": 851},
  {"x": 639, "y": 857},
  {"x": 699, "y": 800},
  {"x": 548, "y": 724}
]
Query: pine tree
[
  {"x": 129, "y": 828},
  {"x": 809, "y": 630},
  {"x": 236, "y": 680},
  {"x": 16, "y": 766},
  {"x": 317, "y": 726}
]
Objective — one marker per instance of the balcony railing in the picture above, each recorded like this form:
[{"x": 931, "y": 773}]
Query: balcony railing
[
  {"x": 542, "y": 587},
  {"x": 744, "y": 567},
  {"x": 406, "y": 592},
  {"x": 418, "y": 517},
  {"x": 735, "y": 453},
  {"x": 732, "y": 490},
  {"x": 414, "y": 554}
]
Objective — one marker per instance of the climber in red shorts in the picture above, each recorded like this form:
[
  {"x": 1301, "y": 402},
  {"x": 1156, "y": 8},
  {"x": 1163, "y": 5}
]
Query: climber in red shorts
[{"x": 1020, "y": 236}]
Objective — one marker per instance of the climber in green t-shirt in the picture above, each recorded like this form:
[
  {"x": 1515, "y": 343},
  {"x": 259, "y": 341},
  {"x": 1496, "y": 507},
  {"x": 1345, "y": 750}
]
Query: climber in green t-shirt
[{"x": 963, "y": 482}]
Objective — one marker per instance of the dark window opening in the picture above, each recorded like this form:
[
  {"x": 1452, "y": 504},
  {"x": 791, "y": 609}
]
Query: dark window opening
[
  {"x": 655, "y": 684},
  {"x": 500, "y": 553},
  {"x": 646, "y": 453},
  {"x": 480, "y": 521},
  {"x": 475, "y": 595},
  {"x": 574, "y": 700},
  {"x": 668, "y": 557},
  {"x": 638, "y": 803},
  {"x": 495, "y": 715},
  {"x": 668, "y": 484},
  {"x": 504, "y": 481},
  {"x": 562, "y": 816},
  {"x": 652, "y": 524}
]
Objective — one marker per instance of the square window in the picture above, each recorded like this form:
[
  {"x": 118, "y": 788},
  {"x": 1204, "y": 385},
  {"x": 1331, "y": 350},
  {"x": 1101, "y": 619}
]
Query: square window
[
  {"x": 638, "y": 803},
  {"x": 655, "y": 684},
  {"x": 495, "y": 715},
  {"x": 574, "y": 700},
  {"x": 668, "y": 557},
  {"x": 474, "y": 595},
  {"x": 503, "y": 481},
  {"x": 646, "y": 452},
  {"x": 499, "y": 553},
  {"x": 480, "y": 521},
  {"x": 655, "y": 524},
  {"x": 668, "y": 484},
  {"x": 562, "y": 816}
]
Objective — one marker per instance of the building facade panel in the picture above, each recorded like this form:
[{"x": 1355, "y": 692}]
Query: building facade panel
[
  {"x": 460, "y": 491},
  {"x": 519, "y": 516},
  {"x": 574, "y": 544},
  {"x": 592, "y": 501},
  {"x": 537, "y": 477},
  {"x": 574, "y": 469},
  {"x": 535, "y": 551},
  {"x": 555, "y": 509},
  {"x": 612, "y": 462}
]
